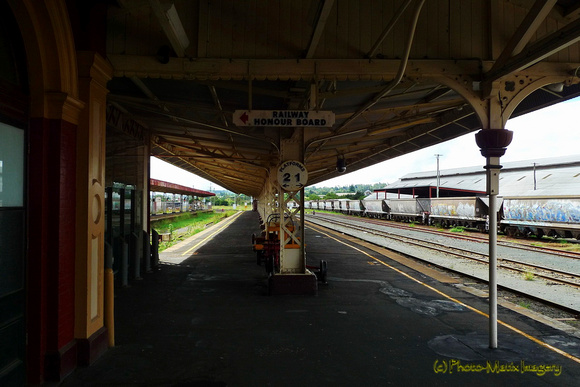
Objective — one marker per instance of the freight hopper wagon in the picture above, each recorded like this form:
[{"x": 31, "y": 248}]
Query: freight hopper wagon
[
  {"x": 355, "y": 207},
  {"x": 557, "y": 216},
  {"x": 327, "y": 205},
  {"x": 339, "y": 205},
  {"x": 471, "y": 212},
  {"x": 410, "y": 210},
  {"x": 376, "y": 208}
]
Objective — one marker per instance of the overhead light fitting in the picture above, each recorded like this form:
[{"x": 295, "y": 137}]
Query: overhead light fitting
[
  {"x": 341, "y": 164},
  {"x": 163, "y": 54},
  {"x": 556, "y": 87}
]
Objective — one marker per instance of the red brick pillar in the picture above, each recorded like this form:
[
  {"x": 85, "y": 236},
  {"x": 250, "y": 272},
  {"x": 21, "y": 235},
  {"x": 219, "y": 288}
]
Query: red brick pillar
[{"x": 52, "y": 348}]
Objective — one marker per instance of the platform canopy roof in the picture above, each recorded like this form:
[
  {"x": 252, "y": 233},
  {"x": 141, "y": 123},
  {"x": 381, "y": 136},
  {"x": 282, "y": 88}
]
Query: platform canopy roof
[
  {"x": 395, "y": 74},
  {"x": 167, "y": 187}
]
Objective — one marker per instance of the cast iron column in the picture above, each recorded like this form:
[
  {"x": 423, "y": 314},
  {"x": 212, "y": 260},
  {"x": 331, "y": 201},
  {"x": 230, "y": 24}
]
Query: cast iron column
[{"x": 493, "y": 144}]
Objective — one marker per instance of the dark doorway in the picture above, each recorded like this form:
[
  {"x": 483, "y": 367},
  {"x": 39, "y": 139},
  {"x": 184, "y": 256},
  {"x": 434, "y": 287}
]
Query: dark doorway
[{"x": 13, "y": 135}]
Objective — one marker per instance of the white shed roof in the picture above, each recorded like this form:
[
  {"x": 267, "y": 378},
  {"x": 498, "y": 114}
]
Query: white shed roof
[{"x": 553, "y": 176}]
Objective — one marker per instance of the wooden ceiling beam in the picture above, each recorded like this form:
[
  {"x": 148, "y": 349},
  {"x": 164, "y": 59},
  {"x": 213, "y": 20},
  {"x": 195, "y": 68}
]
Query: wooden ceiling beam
[
  {"x": 285, "y": 69},
  {"x": 525, "y": 31},
  {"x": 319, "y": 28},
  {"x": 169, "y": 19},
  {"x": 537, "y": 51}
]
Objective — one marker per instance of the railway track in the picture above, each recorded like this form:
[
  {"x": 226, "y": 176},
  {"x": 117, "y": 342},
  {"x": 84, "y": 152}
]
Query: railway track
[
  {"x": 547, "y": 273},
  {"x": 471, "y": 238},
  {"x": 482, "y": 239}
]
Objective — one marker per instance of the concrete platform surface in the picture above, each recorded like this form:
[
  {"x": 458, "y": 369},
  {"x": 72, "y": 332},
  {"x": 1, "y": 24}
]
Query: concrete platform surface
[{"x": 206, "y": 320}]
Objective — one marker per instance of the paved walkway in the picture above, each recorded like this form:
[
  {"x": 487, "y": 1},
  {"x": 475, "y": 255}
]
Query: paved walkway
[{"x": 207, "y": 321}]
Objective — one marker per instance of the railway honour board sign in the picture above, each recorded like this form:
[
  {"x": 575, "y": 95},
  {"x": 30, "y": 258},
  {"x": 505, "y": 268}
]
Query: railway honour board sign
[
  {"x": 283, "y": 118},
  {"x": 292, "y": 175}
]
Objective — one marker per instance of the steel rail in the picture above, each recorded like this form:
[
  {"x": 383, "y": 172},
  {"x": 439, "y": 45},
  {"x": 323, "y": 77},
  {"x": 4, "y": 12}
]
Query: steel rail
[
  {"x": 472, "y": 238},
  {"x": 464, "y": 253}
]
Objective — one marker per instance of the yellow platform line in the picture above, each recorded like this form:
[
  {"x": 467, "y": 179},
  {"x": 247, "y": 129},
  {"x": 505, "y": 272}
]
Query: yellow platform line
[
  {"x": 225, "y": 224},
  {"x": 473, "y": 309}
]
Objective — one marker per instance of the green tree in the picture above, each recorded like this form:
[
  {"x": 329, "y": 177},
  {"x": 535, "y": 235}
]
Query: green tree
[{"x": 357, "y": 196}]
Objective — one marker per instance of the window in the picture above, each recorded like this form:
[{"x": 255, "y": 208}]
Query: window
[{"x": 11, "y": 166}]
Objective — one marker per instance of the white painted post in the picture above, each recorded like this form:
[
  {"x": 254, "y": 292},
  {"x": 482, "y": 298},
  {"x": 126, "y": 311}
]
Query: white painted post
[
  {"x": 438, "y": 176},
  {"x": 493, "y": 168},
  {"x": 493, "y": 144}
]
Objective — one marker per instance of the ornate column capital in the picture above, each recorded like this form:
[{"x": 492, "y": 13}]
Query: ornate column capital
[{"x": 493, "y": 142}]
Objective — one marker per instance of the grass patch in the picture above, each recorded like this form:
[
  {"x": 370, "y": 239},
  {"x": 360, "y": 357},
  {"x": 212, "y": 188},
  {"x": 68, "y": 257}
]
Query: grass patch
[
  {"x": 529, "y": 276},
  {"x": 179, "y": 221},
  {"x": 188, "y": 224},
  {"x": 524, "y": 304},
  {"x": 315, "y": 211},
  {"x": 564, "y": 244},
  {"x": 537, "y": 244},
  {"x": 457, "y": 229},
  {"x": 412, "y": 224},
  {"x": 239, "y": 207},
  {"x": 572, "y": 247}
]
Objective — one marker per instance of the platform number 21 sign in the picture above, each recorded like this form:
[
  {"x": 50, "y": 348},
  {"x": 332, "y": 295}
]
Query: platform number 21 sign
[{"x": 292, "y": 175}]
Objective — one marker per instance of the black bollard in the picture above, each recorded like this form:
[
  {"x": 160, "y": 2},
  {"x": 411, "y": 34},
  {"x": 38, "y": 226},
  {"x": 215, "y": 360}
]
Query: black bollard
[
  {"x": 146, "y": 252},
  {"x": 136, "y": 257},
  {"x": 155, "y": 247},
  {"x": 125, "y": 264}
]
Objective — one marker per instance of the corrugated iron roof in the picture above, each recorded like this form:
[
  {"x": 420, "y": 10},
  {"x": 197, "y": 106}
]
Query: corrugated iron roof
[
  {"x": 164, "y": 186},
  {"x": 184, "y": 96},
  {"x": 552, "y": 176}
]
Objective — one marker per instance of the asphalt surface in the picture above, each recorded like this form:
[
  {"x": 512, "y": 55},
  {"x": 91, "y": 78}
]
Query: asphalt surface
[
  {"x": 205, "y": 319},
  {"x": 565, "y": 296}
]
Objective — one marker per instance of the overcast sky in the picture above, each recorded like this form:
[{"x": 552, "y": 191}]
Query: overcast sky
[{"x": 549, "y": 132}]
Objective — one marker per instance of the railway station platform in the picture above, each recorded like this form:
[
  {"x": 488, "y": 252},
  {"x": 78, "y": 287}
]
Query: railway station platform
[{"x": 205, "y": 319}]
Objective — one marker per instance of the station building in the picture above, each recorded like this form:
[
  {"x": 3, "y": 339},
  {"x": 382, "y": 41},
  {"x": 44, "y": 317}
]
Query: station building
[{"x": 89, "y": 90}]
